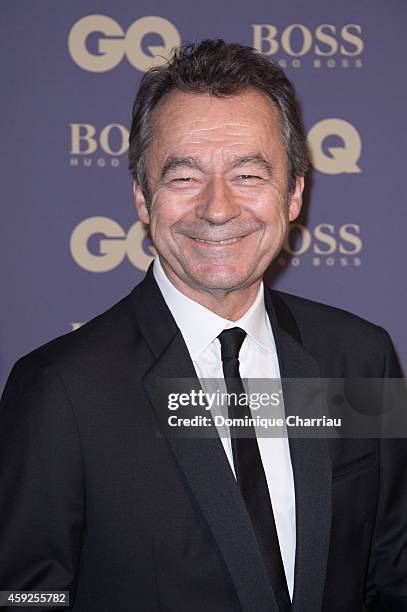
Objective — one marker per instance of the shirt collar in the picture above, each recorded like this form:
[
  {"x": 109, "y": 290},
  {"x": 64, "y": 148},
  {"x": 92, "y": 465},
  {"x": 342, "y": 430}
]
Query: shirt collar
[{"x": 200, "y": 326}]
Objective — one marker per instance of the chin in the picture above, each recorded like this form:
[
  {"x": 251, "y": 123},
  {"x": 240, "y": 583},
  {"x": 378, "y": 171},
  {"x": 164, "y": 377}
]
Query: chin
[{"x": 220, "y": 279}]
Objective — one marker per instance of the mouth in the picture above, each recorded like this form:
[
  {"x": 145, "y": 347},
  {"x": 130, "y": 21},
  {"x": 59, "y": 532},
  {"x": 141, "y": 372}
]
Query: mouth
[{"x": 219, "y": 242}]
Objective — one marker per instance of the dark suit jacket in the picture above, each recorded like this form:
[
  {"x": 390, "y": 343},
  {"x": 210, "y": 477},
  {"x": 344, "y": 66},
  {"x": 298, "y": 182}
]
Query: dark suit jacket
[{"x": 95, "y": 499}]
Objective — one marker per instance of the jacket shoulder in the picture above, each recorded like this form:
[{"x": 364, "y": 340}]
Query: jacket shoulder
[
  {"x": 100, "y": 339},
  {"x": 316, "y": 314},
  {"x": 328, "y": 331}
]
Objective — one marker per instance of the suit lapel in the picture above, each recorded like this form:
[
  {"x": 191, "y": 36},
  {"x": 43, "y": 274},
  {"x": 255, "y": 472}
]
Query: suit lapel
[
  {"x": 310, "y": 461},
  {"x": 202, "y": 460}
]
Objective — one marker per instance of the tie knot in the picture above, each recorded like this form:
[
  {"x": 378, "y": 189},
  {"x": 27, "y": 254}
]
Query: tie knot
[{"x": 231, "y": 341}]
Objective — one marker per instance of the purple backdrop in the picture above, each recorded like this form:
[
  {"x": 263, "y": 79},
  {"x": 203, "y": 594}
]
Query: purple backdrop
[{"x": 71, "y": 244}]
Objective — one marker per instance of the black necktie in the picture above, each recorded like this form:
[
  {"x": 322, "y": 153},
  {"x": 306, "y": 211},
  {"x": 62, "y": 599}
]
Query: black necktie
[{"x": 249, "y": 469}]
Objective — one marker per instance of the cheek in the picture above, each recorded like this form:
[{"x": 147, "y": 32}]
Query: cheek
[
  {"x": 171, "y": 207},
  {"x": 163, "y": 211},
  {"x": 164, "y": 215},
  {"x": 272, "y": 212},
  {"x": 275, "y": 230}
]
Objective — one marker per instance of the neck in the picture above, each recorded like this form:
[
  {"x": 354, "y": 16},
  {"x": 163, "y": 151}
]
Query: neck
[{"x": 229, "y": 304}]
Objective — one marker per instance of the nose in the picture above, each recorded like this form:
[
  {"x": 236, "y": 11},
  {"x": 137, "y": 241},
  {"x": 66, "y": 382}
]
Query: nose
[{"x": 217, "y": 205}]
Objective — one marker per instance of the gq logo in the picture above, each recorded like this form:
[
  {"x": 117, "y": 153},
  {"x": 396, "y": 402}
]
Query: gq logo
[
  {"x": 113, "y": 245},
  {"x": 341, "y": 159},
  {"x": 113, "y": 43}
]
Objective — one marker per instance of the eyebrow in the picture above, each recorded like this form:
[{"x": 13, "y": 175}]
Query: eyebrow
[
  {"x": 173, "y": 162},
  {"x": 253, "y": 158}
]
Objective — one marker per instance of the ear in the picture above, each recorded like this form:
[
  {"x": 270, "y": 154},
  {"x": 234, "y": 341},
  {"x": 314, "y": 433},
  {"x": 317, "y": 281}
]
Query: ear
[
  {"x": 140, "y": 203},
  {"x": 295, "y": 201}
]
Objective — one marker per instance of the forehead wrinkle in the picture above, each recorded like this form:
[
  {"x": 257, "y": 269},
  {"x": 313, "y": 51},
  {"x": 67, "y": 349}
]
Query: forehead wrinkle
[
  {"x": 211, "y": 138},
  {"x": 220, "y": 126}
]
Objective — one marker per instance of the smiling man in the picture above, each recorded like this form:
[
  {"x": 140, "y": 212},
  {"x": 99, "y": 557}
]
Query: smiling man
[
  {"x": 221, "y": 203},
  {"x": 96, "y": 498}
]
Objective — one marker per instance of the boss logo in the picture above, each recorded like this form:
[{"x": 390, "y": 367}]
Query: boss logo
[
  {"x": 112, "y": 139},
  {"x": 328, "y": 245},
  {"x": 324, "y": 43},
  {"x": 324, "y": 239},
  {"x": 113, "y": 43},
  {"x": 297, "y": 40}
]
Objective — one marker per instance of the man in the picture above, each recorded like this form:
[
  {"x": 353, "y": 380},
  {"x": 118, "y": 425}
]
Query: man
[{"x": 97, "y": 498}]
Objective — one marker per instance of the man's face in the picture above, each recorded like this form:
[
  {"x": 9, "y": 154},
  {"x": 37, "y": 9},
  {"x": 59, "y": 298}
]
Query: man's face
[{"x": 217, "y": 172}]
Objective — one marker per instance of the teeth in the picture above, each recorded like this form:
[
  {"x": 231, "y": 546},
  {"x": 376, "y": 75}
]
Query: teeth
[{"x": 230, "y": 241}]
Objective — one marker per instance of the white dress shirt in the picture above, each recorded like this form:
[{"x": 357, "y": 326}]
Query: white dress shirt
[{"x": 200, "y": 328}]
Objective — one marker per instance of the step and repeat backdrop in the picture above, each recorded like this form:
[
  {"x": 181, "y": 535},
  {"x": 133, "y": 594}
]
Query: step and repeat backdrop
[{"x": 71, "y": 241}]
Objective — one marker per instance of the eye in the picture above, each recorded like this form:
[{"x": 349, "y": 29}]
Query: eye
[
  {"x": 247, "y": 177},
  {"x": 184, "y": 179}
]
